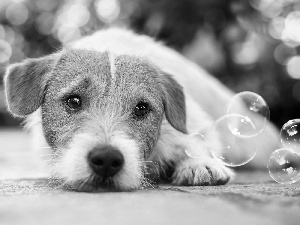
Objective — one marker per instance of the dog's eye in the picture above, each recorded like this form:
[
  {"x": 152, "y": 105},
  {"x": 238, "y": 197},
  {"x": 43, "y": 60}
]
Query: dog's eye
[
  {"x": 141, "y": 109},
  {"x": 74, "y": 102}
]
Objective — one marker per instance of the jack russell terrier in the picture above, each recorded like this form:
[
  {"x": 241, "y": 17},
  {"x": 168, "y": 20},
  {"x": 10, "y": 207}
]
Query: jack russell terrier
[{"x": 109, "y": 102}]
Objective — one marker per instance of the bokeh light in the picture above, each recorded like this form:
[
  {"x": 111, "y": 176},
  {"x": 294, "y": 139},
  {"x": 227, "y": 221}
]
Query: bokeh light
[
  {"x": 107, "y": 10},
  {"x": 269, "y": 8},
  {"x": 46, "y": 5},
  {"x": 9, "y": 34},
  {"x": 5, "y": 51},
  {"x": 249, "y": 45},
  {"x": 276, "y": 27},
  {"x": 68, "y": 32},
  {"x": 283, "y": 19},
  {"x": 75, "y": 14},
  {"x": 247, "y": 52},
  {"x": 69, "y": 19},
  {"x": 283, "y": 52},
  {"x": 17, "y": 13},
  {"x": 292, "y": 31},
  {"x": 293, "y": 67},
  {"x": 45, "y": 22}
]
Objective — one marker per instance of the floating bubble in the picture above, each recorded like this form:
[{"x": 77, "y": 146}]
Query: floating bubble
[
  {"x": 192, "y": 145},
  {"x": 290, "y": 135},
  {"x": 240, "y": 125},
  {"x": 235, "y": 148},
  {"x": 284, "y": 166},
  {"x": 151, "y": 171},
  {"x": 253, "y": 107}
]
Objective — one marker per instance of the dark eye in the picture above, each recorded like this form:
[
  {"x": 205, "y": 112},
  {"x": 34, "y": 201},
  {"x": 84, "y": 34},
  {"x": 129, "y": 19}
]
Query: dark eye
[
  {"x": 141, "y": 109},
  {"x": 74, "y": 102}
]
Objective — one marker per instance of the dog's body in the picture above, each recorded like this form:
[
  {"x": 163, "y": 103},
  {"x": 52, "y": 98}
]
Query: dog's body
[{"x": 115, "y": 99}]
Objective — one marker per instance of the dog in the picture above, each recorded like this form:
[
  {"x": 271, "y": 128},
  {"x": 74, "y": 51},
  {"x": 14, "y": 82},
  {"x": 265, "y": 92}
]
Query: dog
[{"x": 109, "y": 102}]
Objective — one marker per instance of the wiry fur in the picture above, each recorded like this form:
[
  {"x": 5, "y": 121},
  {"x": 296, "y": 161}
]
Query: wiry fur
[
  {"x": 72, "y": 166},
  {"x": 114, "y": 69}
]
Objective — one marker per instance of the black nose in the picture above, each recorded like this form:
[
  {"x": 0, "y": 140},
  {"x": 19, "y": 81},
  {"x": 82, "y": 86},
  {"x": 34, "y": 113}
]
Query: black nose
[{"x": 106, "y": 161}]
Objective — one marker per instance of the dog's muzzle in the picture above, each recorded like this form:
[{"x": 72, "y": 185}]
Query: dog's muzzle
[{"x": 105, "y": 161}]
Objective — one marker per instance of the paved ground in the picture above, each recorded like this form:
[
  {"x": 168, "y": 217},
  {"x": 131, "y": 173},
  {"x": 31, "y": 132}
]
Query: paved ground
[{"x": 26, "y": 198}]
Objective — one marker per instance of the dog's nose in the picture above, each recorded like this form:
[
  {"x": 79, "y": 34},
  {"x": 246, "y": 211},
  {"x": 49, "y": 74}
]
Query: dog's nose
[{"x": 106, "y": 161}]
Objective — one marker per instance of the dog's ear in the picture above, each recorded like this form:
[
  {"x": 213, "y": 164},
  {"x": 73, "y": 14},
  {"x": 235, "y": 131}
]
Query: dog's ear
[
  {"x": 174, "y": 103},
  {"x": 25, "y": 82}
]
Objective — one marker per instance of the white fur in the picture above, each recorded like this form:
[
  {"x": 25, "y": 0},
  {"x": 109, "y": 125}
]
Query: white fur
[
  {"x": 112, "y": 66},
  {"x": 72, "y": 165},
  {"x": 131, "y": 176},
  {"x": 206, "y": 101},
  {"x": 33, "y": 124}
]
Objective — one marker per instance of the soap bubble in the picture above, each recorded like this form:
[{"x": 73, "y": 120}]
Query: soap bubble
[
  {"x": 253, "y": 107},
  {"x": 151, "y": 171},
  {"x": 284, "y": 166},
  {"x": 235, "y": 148},
  {"x": 192, "y": 144},
  {"x": 290, "y": 135}
]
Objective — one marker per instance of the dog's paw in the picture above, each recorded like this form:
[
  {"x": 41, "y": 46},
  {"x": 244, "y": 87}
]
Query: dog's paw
[{"x": 193, "y": 172}]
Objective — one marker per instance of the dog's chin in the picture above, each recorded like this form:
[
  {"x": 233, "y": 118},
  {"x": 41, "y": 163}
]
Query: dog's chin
[{"x": 93, "y": 184}]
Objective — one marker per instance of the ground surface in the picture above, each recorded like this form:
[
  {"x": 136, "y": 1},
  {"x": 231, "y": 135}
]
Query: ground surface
[{"x": 27, "y": 198}]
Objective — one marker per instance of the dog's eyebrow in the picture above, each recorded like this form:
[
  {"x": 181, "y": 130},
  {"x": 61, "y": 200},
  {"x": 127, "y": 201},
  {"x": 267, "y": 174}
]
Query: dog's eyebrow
[{"x": 74, "y": 85}]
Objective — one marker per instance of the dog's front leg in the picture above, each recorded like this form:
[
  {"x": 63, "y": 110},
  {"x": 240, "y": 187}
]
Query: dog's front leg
[{"x": 203, "y": 170}]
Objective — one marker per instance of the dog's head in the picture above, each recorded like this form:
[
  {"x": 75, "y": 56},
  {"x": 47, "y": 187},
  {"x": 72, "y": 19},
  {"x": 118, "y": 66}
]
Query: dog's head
[{"x": 101, "y": 113}]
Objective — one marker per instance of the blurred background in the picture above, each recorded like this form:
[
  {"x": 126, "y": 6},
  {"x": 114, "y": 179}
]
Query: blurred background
[{"x": 249, "y": 45}]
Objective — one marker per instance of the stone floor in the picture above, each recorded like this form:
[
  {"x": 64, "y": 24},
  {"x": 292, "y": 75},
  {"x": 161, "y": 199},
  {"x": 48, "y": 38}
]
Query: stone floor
[{"x": 27, "y": 198}]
